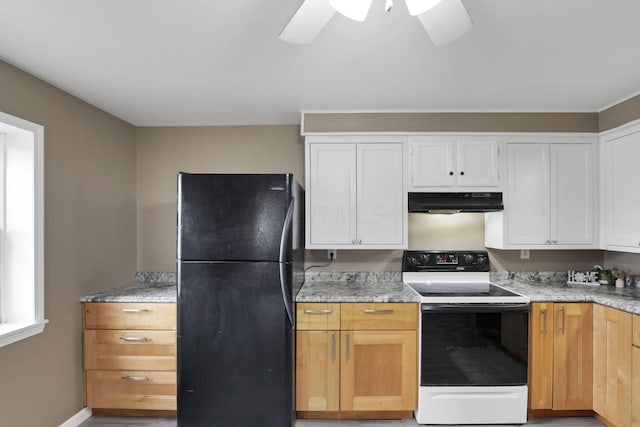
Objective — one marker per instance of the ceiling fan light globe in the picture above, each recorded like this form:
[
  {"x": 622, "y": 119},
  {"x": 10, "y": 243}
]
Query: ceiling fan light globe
[
  {"x": 418, "y": 7},
  {"x": 352, "y": 9}
]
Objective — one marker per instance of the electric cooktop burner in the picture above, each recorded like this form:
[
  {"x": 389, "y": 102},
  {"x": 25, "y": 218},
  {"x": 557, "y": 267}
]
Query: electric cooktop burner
[
  {"x": 461, "y": 289},
  {"x": 454, "y": 277}
]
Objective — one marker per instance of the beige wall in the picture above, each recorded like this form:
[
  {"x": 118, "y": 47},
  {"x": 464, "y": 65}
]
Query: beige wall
[
  {"x": 455, "y": 232},
  {"x": 630, "y": 263},
  {"x": 450, "y": 122},
  {"x": 163, "y": 152},
  {"x": 619, "y": 114},
  {"x": 90, "y": 242}
]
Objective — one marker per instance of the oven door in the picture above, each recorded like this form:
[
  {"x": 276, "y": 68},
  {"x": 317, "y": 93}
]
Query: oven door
[{"x": 474, "y": 344}]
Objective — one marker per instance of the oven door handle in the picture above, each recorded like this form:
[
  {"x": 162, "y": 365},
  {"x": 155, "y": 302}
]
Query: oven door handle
[{"x": 475, "y": 308}]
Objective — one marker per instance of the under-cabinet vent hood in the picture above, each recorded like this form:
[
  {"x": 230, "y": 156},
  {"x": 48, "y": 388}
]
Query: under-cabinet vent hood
[{"x": 455, "y": 202}]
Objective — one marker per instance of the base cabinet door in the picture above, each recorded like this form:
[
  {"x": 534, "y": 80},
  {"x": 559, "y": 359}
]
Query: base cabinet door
[
  {"x": 317, "y": 370},
  {"x": 573, "y": 356},
  {"x": 541, "y": 356},
  {"x": 561, "y": 356},
  {"x": 635, "y": 388},
  {"x": 612, "y": 364},
  {"x": 378, "y": 370}
]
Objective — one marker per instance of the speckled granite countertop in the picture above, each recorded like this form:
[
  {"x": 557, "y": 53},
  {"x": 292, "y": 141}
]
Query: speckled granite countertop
[
  {"x": 136, "y": 292},
  {"x": 626, "y": 299},
  {"x": 356, "y": 291},
  {"x": 388, "y": 287}
]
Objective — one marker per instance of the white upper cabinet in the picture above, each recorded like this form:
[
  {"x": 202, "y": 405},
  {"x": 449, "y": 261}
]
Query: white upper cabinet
[
  {"x": 527, "y": 198},
  {"x": 355, "y": 194},
  {"x": 459, "y": 163},
  {"x": 550, "y": 198},
  {"x": 622, "y": 197}
]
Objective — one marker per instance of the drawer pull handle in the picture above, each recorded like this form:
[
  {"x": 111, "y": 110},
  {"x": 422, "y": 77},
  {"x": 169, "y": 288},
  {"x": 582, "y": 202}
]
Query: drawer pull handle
[
  {"x": 326, "y": 311},
  {"x": 382, "y": 311},
  {"x": 134, "y": 338},
  {"x": 132, "y": 378},
  {"x": 135, "y": 310}
]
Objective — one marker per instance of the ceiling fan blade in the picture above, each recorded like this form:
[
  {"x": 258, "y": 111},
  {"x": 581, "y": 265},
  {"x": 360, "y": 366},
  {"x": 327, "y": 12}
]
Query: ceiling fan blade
[
  {"x": 307, "y": 22},
  {"x": 446, "y": 22}
]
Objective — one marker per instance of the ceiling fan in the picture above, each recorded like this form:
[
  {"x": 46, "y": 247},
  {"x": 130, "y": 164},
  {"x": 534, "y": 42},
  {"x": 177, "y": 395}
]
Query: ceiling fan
[{"x": 444, "y": 20}]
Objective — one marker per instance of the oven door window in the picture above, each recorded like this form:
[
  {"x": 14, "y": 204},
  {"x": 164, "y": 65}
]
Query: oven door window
[{"x": 466, "y": 347}]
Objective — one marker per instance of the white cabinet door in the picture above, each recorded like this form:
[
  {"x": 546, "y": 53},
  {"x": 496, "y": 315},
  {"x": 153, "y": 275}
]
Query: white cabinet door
[
  {"x": 356, "y": 195},
  {"x": 572, "y": 194},
  {"x": 331, "y": 194},
  {"x": 527, "y": 198},
  {"x": 456, "y": 164},
  {"x": 380, "y": 210},
  {"x": 623, "y": 204},
  {"x": 478, "y": 163},
  {"x": 432, "y": 163}
]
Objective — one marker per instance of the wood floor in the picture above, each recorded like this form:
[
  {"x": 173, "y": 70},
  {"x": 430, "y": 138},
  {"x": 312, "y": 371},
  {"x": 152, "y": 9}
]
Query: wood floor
[{"x": 171, "y": 422}]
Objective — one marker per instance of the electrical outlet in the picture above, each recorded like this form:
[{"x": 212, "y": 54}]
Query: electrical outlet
[
  {"x": 524, "y": 253},
  {"x": 332, "y": 254}
]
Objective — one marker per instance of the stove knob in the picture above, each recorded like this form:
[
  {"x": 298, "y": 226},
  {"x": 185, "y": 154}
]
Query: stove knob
[
  {"x": 424, "y": 259},
  {"x": 482, "y": 260},
  {"x": 412, "y": 261},
  {"x": 468, "y": 259}
]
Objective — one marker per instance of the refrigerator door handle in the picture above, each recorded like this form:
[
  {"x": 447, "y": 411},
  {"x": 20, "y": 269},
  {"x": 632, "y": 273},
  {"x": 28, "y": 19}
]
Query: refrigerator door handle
[{"x": 283, "y": 255}]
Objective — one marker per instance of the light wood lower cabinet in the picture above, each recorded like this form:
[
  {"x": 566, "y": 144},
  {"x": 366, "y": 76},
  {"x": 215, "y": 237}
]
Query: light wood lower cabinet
[
  {"x": 378, "y": 371},
  {"x": 130, "y": 356},
  {"x": 635, "y": 387},
  {"x": 369, "y": 365},
  {"x": 318, "y": 371},
  {"x": 561, "y": 356},
  {"x": 635, "y": 371},
  {"x": 612, "y": 338}
]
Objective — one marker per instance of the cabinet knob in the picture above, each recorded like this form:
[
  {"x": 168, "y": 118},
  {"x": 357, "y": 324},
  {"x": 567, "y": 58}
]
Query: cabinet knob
[
  {"x": 451, "y": 173},
  {"x": 555, "y": 242},
  {"x": 353, "y": 241},
  {"x": 359, "y": 241},
  {"x": 461, "y": 172}
]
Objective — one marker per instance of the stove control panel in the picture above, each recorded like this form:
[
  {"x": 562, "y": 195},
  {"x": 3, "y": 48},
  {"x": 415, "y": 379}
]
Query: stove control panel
[{"x": 417, "y": 261}]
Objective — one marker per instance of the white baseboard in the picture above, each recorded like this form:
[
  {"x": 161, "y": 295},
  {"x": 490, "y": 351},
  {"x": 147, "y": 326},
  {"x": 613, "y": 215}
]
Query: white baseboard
[{"x": 81, "y": 416}]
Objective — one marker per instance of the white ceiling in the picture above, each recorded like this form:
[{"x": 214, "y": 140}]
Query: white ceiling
[{"x": 216, "y": 62}]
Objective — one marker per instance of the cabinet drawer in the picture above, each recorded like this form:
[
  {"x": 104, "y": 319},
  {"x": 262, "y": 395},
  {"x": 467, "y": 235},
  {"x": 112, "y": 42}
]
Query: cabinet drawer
[
  {"x": 317, "y": 316},
  {"x": 379, "y": 316},
  {"x": 636, "y": 330},
  {"x": 131, "y": 389},
  {"x": 129, "y": 316},
  {"x": 130, "y": 350}
]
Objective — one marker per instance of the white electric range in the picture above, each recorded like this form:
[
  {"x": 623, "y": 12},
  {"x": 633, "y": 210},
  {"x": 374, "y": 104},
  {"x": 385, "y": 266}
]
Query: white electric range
[{"x": 473, "y": 340}]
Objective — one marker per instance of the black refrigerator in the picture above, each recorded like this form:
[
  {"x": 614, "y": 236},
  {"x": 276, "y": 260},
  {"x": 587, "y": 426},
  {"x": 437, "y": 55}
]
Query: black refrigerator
[{"x": 240, "y": 255}]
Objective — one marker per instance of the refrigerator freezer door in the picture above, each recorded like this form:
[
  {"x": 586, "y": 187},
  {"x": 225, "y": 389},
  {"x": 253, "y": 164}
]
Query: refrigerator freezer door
[
  {"x": 232, "y": 217},
  {"x": 235, "y": 346}
]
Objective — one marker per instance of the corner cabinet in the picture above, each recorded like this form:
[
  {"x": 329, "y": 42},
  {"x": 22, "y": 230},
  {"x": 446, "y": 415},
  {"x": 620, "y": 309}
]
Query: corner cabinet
[
  {"x": 550, "y": 198},
  {"x": 612, "y": 365},
  {"x": 448, "y": 164},
  {"x": 356, "y": 360},
  {"x": 356, "y": 194},
  {"x": 622, "y": 204}
]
